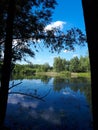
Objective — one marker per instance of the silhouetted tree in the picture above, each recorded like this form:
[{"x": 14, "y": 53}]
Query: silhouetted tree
[
  {"x": 90, "y": 9},
  {"x": 22, "y": 24},
  {"x": 6, "y": 70}
]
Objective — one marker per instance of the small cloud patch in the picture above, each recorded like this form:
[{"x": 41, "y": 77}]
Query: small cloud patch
[{"x": 57, "y": 24}]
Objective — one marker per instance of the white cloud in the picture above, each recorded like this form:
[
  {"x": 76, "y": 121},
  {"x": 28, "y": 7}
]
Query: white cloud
[
  {"x": 75, "y": 55},
  {"x": 57, "y": 24},
  {"x": 65, "y": 51}
]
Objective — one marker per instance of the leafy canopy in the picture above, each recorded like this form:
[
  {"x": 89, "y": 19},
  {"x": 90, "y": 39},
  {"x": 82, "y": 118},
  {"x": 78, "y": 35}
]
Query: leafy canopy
[{"x": 31, "y": 18}]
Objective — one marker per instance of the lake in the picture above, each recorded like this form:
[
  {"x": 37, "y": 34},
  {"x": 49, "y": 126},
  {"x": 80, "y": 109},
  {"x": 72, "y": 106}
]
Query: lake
[{"x": 50, "y": 104}]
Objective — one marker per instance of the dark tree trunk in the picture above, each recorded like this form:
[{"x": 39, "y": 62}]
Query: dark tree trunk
[
  {"x": 90, "y": 9},
  {"x": 6, "y": 69}
]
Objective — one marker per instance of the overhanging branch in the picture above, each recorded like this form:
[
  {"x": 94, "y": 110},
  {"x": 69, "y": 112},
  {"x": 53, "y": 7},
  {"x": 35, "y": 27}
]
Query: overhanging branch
[
  {"x": 14, "y": 85},
  {"x": 32, "y": 96}
]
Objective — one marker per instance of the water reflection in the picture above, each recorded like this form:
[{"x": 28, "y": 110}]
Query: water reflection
[
  {"x": 45, "y": 79},
  {"x": 75, "y": 84},
  {"x": 82, "y": 84},
  {"x": 67, "y": 106}
]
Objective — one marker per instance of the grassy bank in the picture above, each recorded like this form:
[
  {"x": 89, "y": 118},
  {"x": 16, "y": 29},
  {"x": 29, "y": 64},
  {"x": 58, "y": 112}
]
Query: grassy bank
[
  {"x": 85, "y": 75},
  {"x": 65, "y": 74}
]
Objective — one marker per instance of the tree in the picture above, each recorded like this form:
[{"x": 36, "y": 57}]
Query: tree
[
  {"x": 13, "y": 19},
  {"x": 59, "y": 64},
  {"x": 74, "y": 64},
  {"x": 90, "y": 10},
  {"x": 84, "y": 64},
  {"x": 22, "y": 24},
  {"x": 6, "y": 65},
  {"x": 45, "y": 67}
]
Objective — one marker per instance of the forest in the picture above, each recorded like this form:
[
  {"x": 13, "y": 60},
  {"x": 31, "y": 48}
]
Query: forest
[
  {"x": 14, "y": 25},
  {"x": 74, "y": 65}
]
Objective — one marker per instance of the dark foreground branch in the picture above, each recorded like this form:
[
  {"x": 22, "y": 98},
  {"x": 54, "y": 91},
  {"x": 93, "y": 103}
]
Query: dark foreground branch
[
  {"x": 32, "y": 96},
  {"x": 14, "y": 85}
]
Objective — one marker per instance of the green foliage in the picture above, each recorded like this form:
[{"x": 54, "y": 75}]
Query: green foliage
[
  {"x": 23, "y": 70},
  {"x": 84, "y": 64},
  {"x": 82, "y": 74},
  {"x": 59, "y": 64},
  {"x": 28, "y": 69},
  {"x": 45, "y": 67},
  {"x": 80, "y": 65},
  {"x": 65, "y": 73},
  {"x": 73, "y": 65},
  {"x": 31, "y": 18}
]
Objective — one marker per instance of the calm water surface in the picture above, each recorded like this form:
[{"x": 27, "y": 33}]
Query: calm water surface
[{"x": 64, "y": 105}]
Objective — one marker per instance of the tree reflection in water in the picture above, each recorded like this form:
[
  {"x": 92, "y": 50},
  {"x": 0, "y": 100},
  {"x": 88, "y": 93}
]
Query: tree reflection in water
[{"x": 66, "y": 106}]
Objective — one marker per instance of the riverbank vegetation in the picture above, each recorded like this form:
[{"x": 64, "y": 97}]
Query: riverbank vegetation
[{"x": 75, "y": 67}]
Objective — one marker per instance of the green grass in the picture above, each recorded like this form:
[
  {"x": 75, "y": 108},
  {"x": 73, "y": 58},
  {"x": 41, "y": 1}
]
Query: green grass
[
  {"x": 54, "y": 74},
  {"x": 66, "y": 74},
  {"x": 86, "y": 75}
]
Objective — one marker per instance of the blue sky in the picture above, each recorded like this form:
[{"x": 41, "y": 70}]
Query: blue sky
[{"x": 67, "y": 14}]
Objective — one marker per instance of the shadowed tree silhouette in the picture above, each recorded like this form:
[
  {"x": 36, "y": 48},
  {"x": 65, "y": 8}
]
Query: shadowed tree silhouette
[
  {"x": 90, "y": 9},
  {"x": 6, "y": 70},
  {"x": 22, "y": 25}
]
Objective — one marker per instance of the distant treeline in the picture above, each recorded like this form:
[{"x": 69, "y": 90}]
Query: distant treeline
[{"x": 74, "y": 65}]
